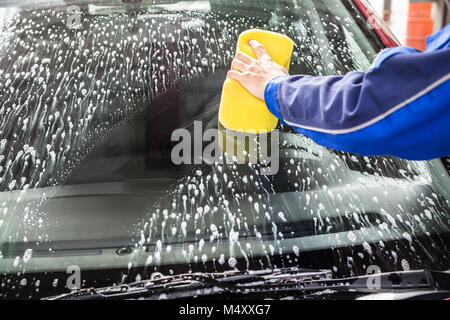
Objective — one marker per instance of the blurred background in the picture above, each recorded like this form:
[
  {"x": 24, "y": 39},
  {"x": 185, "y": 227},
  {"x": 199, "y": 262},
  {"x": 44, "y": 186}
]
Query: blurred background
[{"x": 412, "y": 20}]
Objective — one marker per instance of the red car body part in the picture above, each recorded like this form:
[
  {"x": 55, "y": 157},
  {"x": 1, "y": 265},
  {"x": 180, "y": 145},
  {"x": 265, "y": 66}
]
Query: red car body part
[{"x": 377, "y": 24}]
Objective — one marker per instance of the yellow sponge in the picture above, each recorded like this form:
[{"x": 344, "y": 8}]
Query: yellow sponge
[{"x": 239, "y": 109}]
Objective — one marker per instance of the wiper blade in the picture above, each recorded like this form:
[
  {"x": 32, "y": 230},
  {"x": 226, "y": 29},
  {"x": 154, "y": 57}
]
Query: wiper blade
[
  {"x": 182, "y": 285},
  {"x": 292, "y": 280}
]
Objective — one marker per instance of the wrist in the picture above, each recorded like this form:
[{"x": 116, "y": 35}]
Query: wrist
[{"x": 271, "y": 95}]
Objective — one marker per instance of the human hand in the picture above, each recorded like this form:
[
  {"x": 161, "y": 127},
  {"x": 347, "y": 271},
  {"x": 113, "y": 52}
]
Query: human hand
[{"x": 255, "y": 74}]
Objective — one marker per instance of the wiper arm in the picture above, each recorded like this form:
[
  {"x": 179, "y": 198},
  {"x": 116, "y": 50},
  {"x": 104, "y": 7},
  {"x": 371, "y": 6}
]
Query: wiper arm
[
  {"x": 180, "y": 286},
  {"x": 250, "y": 282}
]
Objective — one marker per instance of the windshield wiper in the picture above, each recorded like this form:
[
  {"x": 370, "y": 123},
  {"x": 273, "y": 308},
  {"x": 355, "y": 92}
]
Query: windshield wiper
[{"x": 293, "y": 280}]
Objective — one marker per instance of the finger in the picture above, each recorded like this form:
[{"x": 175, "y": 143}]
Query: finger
[
  {"x": 245, "y": 58},
  {"x": 259, "y": 49},
  {"x": 238, "y": 65},
  {"x": 234, "y": 75}
]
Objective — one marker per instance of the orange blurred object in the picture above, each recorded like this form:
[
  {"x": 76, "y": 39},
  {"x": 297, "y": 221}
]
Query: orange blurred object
[{"x": 420, "y": 24}]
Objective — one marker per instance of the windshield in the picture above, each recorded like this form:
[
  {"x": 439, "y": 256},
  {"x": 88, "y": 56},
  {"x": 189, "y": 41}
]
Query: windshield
[{"x": 92, "y": 96}]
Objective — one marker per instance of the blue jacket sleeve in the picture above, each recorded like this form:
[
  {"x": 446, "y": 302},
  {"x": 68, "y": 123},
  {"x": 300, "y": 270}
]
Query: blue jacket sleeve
[{"x": 400, "y": 107}]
